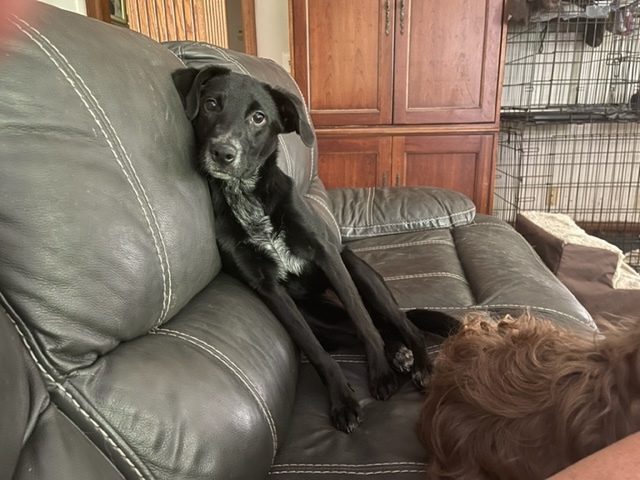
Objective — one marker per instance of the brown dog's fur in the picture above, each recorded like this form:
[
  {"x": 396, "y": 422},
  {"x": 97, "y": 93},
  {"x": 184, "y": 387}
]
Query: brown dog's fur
[{"x": 522, "y": 398}]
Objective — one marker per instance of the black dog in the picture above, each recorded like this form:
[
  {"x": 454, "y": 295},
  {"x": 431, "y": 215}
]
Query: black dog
[{"x": 270, "y": 239}]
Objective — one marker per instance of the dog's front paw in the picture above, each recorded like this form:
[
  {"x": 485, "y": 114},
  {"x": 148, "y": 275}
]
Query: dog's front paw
[
  {"x": 421, "y": 373},
  {"x": 399, "y": 356},
  {"x": 346, "y": 414},
  {"x": 384, "y": 385}
]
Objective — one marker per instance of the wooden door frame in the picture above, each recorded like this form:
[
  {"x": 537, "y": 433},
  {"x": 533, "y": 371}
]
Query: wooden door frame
[
  {"x": 100, "y": 9},
  {"x": 249, "y": 27}
]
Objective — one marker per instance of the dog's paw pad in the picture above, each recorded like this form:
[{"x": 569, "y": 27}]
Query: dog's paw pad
[
  {"x": 402, "y": 360},
  {"x": 346, "y": 416}
]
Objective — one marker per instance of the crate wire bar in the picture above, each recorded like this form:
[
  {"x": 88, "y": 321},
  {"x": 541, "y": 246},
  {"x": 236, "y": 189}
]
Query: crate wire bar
[{"x": 570, "y": 132}]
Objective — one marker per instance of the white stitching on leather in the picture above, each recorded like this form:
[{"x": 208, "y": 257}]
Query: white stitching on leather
[
  {"x": 287, "y": 157},
  {"x": 58, "y": 385},
  {"x": 347, "y": 465},
  {"x": 166, "y": 276},
  {"x": 426, "y": 275},
  {"x": 412, "y": 222},
  {"x": 338, "y": 360},
  {"x": 506, "y": 305},
  {"x": 326, "y": 207},
  {"x": 214, "y": 352},
  {"x": 369, "y": 205},
  {"x": 86, "y": 437},
  {"x": 499, "y": 225},
  {"x": 405, "y": 244},
  {"x": 344, "y": 472}
]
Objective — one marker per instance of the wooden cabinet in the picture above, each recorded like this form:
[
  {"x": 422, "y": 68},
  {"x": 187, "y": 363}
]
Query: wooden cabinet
[
  {"x": 460, "y": 162},
  {"x": 402, "y": 91}
]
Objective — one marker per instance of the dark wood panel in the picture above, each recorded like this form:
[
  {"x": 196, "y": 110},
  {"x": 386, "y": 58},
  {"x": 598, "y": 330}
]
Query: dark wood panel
[
  {"x": 354, "y": 161},
  {"x": 448, "y": 61},
  {"x": 464, "y": 163},
  {"x": 343, "y": 56}
]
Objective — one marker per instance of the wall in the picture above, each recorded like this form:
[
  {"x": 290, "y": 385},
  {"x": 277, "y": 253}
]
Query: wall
[
  {"x": 78, "y": 6},
  {"x": 272, "y": 30}
]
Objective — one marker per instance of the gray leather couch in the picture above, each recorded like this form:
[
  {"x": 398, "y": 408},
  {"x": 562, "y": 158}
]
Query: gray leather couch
[{"x": 124, "y": 351}]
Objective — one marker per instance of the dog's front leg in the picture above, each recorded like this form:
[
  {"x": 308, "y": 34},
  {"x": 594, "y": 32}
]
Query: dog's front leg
[
  {"x": 346, "y": 413},
  {"x": 382, "y": 379},
  {"x": 377, "y": 296}
]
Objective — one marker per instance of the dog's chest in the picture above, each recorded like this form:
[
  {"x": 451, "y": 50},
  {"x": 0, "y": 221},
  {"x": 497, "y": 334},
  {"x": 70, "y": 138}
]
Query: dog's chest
[{"x": 259, "y": 230}]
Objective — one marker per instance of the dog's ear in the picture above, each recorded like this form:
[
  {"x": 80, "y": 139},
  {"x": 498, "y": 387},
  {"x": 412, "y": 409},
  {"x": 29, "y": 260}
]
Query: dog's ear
[
  {"x": 189, "y": 82},
  {"x": 293, "y": 115}
]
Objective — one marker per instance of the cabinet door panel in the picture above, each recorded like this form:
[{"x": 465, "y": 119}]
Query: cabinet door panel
[
  {"x": 463, "y": 163},
  {"x": 354, "y": 161},
  {"x": 342, "y": 59},
  {"x": 447, "y": 61}
]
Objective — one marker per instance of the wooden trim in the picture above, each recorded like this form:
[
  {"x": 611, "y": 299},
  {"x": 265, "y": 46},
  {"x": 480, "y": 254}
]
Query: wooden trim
[
  {"x": 292, "y": 57},
  {"x": 249, "y": 27},
  {"x": 409, "y": 130},
  {"x": 503, "y": 50},
  {"x": 98, "y": 9}
]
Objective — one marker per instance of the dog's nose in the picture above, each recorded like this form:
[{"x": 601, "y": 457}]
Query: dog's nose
[{"x": 224, "y": 152}]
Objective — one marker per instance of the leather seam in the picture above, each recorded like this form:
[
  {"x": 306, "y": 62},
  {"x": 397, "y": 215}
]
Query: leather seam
[
  {"x": 61, "y": 387},
  {"x": 321, "y": 202},
  {"x": 426, "y": 275},
  {"x": 346, "y": 472},
  {"x": 379, "y": 464},
  {"x": 227, "y": 362},
  {"x": 402, "y": 245},
  {"x": 100, "y": 117},
  {"x": 406, "y": 223}
]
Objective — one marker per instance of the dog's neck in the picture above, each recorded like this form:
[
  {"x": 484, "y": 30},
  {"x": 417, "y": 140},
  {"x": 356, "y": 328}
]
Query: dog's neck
[{"x": 243, "y": 199}]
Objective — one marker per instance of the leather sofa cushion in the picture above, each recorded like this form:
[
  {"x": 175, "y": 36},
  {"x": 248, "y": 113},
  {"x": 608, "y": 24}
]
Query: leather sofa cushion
[
  {"x": 370, "y": 212},
  {"x": 106, "y": 227},
  {"x": 483, "y": 266}
]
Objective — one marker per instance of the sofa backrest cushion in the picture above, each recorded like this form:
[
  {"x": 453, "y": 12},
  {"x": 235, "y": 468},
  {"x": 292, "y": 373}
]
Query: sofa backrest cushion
[{"x": 106, "y": 228}]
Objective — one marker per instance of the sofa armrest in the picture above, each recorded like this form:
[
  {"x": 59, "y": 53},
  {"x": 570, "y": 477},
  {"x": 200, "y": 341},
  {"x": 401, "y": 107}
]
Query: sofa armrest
[{"x": 370, "y": 212}]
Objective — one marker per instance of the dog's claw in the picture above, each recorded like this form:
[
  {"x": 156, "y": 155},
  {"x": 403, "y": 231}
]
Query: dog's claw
[{"x": 347, "y": 415}]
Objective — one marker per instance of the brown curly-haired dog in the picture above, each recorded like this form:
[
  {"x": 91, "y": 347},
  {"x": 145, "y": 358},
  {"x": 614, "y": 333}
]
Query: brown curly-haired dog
[{"x": 522, "y": 398}]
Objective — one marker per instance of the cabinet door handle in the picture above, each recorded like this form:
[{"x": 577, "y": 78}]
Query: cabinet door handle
[
  {"x": 384, "y": 179},
  {"x": 402, "y": 17},
  {"x": 397, "y": 179},
  {"x": 387, "y": 17}
]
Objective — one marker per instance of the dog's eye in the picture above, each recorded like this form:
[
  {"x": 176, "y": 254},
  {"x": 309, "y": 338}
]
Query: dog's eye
[
  {"x": 210, "y": 104},
  {"x": 258, "y": 118}
]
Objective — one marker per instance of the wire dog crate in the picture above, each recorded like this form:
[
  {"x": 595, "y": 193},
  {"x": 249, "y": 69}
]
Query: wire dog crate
[{"x": 570, "y": 131}]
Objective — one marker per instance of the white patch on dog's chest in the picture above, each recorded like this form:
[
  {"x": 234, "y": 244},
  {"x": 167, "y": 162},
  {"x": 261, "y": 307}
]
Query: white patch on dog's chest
[{"x": 249, "y": 213}]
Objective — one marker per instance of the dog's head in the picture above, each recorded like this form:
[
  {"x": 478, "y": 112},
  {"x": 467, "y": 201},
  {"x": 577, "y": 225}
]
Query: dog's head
[{"x": 237, "y": 119}]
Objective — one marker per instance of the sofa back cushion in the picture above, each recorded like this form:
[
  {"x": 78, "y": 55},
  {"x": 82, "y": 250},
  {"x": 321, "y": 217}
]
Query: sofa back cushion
[{"x": 106, "y": 228}]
